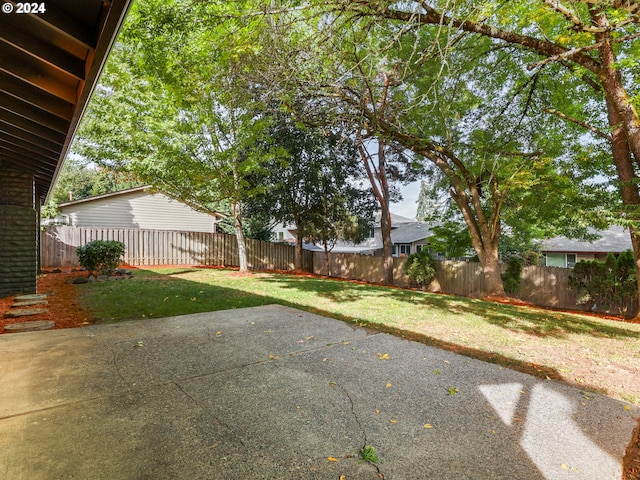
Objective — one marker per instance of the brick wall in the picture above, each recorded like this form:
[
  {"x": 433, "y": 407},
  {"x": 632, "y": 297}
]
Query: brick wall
[{"x": 18, "y": 234}]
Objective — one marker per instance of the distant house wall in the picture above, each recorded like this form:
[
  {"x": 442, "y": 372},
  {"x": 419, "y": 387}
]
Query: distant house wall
[
  {"x": 283, "y": 233},
  {"x": 137, "y": 209}
]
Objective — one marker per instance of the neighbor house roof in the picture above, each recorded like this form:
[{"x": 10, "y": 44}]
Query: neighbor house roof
[
  {"x": 410, "y": 232},
  {"x": 395, "y": 219},
  {"x": 105, "y": 195},
  {"x": 128, "y": 191},
  {"x": 616, "y": 239}
]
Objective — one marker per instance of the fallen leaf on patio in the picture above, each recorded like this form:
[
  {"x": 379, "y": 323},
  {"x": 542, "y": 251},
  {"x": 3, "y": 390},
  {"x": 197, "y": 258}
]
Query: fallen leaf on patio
[
  {"x": 393, "y": 421},
  {"x": 325, "y": 359},
  {"x": 332, "y": 459},
  {"x": 377, "y": 412},
  {"x": 383, "y": 356},
  {"x": 346, "y": 343},
  {"x": 342, "y": 477},
  {"x": 452, "y": 391},
  {"x": 274, "y": 357},
  {"x": 428, "y": 425},
  {"x": 298, "y": 407},
  {"x": 218, "y": 333},
  {"x": 309, "y": 337},
  {"x": 437, "y": 372},
  {"x": 388, "y": 385},
  {"x": 626, "y": 407}
]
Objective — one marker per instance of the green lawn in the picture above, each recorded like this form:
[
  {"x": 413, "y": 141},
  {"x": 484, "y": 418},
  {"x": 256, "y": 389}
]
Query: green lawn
[{"x": 596, "y": 354}]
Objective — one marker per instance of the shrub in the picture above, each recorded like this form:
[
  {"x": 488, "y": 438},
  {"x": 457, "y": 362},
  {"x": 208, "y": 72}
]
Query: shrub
[
  {"x": 511, "y": 277},
  {"x": 610, "y": 284},
  {"x": 100, "y": 256},
  {"x": 531, "y": 257},
  {"x": 420, "y": 267}
]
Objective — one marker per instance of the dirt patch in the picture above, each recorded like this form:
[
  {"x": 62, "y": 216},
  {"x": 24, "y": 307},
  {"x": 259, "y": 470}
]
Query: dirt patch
[{"x": 63, "y": 308}]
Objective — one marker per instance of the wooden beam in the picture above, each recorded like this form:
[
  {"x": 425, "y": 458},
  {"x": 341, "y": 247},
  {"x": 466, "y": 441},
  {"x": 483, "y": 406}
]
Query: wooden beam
[
  {"x": 38, "y": 74},
  {"x": 30, "y": 126},
  {"x": 40, "y": 50},
  {"x": 57, "y": 19},
  {"x": 34, "y": 114},
  {"x": 35, "y": 96},
  {"x": 23, "y": 149},
  {"x": 31, "y": 139}
]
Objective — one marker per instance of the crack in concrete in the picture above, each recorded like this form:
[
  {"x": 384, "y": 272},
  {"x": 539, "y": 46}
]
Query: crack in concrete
[
  {"x": 218, "y": 421},
  {"x": 362, "y": 429}
]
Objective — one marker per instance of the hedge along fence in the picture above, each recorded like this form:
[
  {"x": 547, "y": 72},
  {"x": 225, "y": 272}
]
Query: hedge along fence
[
  {"x": 541, "y": 286},
  {"x": 165, "y": 247}
]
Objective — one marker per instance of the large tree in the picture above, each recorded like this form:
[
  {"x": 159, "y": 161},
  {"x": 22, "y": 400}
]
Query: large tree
[
  {"x": 168, "y": 109},
  {"x": 312, "y": 183},
  {"x": 592, "y": 43},
  {"x": 432, "y": 91}
]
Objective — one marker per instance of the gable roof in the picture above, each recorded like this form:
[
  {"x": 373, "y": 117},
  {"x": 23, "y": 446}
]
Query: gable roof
[
  {"x": 616, "y": 239},
  {"x": 395, "y": 219},
  {"x": 410, "y": 232},
  {"x": 104, "y": 195},
  {"x": 143, "y": 188}
]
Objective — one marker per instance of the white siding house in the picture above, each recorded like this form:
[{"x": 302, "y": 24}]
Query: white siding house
[{"x": 135, "y": 208}]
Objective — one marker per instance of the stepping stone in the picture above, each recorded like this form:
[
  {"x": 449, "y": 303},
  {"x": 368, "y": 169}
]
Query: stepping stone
[
  {"x": 29, "y": 326},
  {"x": 28, "y": 303},
  {"x": 23, "y": 312},
  {"x": 34, "y": 296}
]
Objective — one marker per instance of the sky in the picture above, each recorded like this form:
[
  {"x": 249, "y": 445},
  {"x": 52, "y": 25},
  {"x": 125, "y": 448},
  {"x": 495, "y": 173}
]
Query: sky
[{"x": 408, "y": 207}]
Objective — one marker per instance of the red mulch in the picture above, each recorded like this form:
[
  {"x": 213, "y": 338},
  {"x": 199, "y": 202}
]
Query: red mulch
[{"x": 62, "y": 305}]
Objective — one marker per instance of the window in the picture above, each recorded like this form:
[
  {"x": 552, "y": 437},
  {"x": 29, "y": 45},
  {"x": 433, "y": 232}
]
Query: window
[
  {"x": 421, "y": 246},
  {"x": 401, "y": 249},
  {"x": 563, "y": 260},
  {"x": 372, "y": 233},
  {"x": 281, "y": 236}
]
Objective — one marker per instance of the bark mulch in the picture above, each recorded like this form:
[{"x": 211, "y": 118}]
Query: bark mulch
[{"x": 63, "y": 307}]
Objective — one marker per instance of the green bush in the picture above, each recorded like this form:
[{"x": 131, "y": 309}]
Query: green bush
[
  {"x": 511, "y": 278},
  {"x": 420, "y": 267},
  {"x": 100, "y": 256},
  {"x": 609, "y": 285}
]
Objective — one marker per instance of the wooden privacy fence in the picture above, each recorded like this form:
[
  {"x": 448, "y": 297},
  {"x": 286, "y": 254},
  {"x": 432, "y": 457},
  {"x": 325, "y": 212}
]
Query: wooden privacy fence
[
  {"x": 165, "y": 247},
  {"x": 541, "y": 286}
]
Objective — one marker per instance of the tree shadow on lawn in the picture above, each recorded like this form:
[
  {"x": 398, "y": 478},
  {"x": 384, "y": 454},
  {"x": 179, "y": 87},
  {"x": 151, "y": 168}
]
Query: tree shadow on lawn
[
  {"x": 157, "y": 295},
  {"x": 529, "y": 320}
]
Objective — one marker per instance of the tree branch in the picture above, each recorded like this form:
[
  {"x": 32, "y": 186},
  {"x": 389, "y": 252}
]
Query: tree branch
[{"x": 591, "y": 128}]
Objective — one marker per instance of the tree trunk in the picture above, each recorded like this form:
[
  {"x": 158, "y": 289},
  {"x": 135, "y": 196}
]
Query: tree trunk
[
  {"x": 326, "y": 258},
  {"x": 491, "y": 269},
  {"x": 380, "y": 184},
  {"x": 625, "y": 136},
  {"x": 387, "y": 245},
  {"x": 299, "y": 251},
  {"x": 242, "y": 248}
]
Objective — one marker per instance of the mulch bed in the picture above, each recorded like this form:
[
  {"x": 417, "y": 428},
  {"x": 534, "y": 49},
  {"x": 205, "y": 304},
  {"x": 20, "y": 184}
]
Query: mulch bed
[{"x": 62, "y": 305}]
